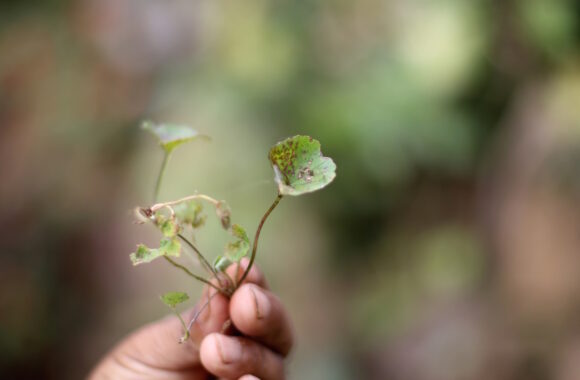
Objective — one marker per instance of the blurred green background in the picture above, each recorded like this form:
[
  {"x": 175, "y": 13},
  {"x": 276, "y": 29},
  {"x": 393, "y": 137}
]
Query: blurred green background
[{"x": 448, "y": 246}]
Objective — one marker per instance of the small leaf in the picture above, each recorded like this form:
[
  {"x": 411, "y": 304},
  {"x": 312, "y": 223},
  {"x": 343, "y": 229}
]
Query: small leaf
[
  {"x": 170, "y": 247},
  {"x": 221, "y": 263},
  {"x": 144, "y": 255},
  {"x": 238, "y": 249},
  {"x": 173, "y": 299},
  {"x": 189, "y": 213},
  {"x": 168, "y": 227},
  {"x": 170, "y": 136},
  {"x": 300, "y": 167},
  {"x": 239, "y": 232},
  {"x": 224, "y": 213}
]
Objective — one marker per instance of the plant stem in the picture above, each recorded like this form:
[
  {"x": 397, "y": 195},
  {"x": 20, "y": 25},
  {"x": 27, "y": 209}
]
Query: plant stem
[
  {"x": 257, "y": 236},
  {"x": 185, "y": 329},
  {"x": 201, "y": 257},
  {"x": 191, "y": 274},
  {"x": 198, "y": 312},
  {"x": 160, "y": 176},
  {"x": 207, "y": 198}
]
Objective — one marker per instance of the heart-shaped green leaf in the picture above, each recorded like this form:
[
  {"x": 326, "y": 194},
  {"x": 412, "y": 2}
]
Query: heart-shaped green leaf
[
  {"x": 173, "y": 299},
  {"x": 170, "y": 136},
  {"x": 144, "y": 254},
  {"x": 300, "y": 167},
  {"x": 238, "y": 249}
]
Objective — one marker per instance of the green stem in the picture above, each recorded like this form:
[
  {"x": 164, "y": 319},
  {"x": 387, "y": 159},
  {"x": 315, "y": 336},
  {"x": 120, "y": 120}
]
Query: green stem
[
  {"x": 191, "y": 274},
  {"x": 185, "y": 329},
  {"x": 201, "y": 257},
  {"x": 160, "y": 176},
  {"x": 257, "y": 236}
]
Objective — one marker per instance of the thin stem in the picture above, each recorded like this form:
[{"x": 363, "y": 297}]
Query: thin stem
[
  {"x": 191, "y": 274},
  {"x": 207, "y": 198},
  {"x": 185, "y": 329},
  {"x": 257, "y": 236},
  {"x": 198, "y": 312},
  {"x": 201, "y": 257},
  {"x": 160, "y": 176}
]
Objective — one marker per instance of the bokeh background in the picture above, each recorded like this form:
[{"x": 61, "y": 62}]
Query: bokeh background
[{"x": 448, "y": 247}]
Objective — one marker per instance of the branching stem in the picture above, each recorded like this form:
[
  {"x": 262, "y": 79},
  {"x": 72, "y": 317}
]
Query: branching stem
[
  {"x": 257, "y": 237},
  {"x": 191, "y": 274},
  {"x": 201, "y": 257}
]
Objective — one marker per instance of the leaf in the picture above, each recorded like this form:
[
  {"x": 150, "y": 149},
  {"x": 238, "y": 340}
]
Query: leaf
[
  {"x": 221, "y": 263},
  {"x": 144, "y": 254},
  {"x": 300, "y": 167},
  {"x": 189, "y": 213},
  {"x": 224, "y": 213},
  {"x": 168, "y": 227},
  {"x": 170, "y": 136},
  {"x": 238, "y": 249},
  {"x": 173, "y": 299},
  {"x": 170, "y": 247}
]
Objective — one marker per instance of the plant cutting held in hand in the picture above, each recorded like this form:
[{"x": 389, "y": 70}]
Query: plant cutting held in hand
[{"x": 299, "y": 168}]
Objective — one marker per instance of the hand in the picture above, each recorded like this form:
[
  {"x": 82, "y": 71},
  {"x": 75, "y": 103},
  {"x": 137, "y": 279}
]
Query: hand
[{"x": 153, "y": 352}]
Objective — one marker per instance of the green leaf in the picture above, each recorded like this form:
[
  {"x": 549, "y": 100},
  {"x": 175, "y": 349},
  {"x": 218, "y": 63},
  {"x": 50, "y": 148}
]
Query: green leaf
[
  {"x": 300, "y": 167},
  {"x": 221, "y": 263},
  {"x": 170, "y": 136},
  {"x": 168, "y": 227},
  {"x": 189, "y": 213},
  {"x": 224, "y": 213},
  {"x": 238, "y": 249},
  {"x": 170, "y": 247},
  {"x": 239, "y": 232},
  {"x": 173, "y": 299},
  {"x": 144, "y": 254}
]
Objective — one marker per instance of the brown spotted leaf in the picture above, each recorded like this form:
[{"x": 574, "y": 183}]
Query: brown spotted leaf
[{"x": 300, "y": 167}]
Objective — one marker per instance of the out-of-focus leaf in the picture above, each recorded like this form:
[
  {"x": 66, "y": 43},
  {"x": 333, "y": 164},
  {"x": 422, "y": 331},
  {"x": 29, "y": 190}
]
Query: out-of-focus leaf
[
  {"x": 170, "y": 136},
  {"x": 173, "y": 299},
  {"x": 224, "y": 213},
  {"x": 168, "y": 226},
  {"x": 238, "y": 249},
  {"x": 144, "y": 254},
  {"x": 300, "y": 167},
  {"x": 189, "y": 213}
]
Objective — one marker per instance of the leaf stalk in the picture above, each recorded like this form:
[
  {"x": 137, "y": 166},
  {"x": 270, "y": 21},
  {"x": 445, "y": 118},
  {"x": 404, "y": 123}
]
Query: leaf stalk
[{"x": 257, "y": 237}]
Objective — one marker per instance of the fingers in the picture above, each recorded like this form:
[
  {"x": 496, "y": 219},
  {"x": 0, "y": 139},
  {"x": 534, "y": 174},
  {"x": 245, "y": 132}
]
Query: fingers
[
  {"x": 156, "y": 345},
  {"x": 236, "y": 357},
  {"x": 259, "y": 314},
  {"x": 255, "y": 276}
]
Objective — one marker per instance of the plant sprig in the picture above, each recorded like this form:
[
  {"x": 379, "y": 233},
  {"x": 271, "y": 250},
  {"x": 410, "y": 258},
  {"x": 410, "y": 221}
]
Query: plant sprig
[{"x": 299, "y": 168}]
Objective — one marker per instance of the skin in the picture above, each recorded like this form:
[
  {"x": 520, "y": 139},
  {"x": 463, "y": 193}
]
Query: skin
[{"x": 253, "y": 346}]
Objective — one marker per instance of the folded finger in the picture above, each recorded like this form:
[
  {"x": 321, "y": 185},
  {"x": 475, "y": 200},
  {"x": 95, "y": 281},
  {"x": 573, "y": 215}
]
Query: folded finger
[
  {"x": 259, "y": 314},
  {"x": 236, "y": 357}
]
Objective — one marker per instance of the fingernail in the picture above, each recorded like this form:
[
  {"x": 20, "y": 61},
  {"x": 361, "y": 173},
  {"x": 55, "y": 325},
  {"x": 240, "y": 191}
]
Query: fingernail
[
  {"x": 229, "y": 349},
  {"x": 261, "y": 303}
]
